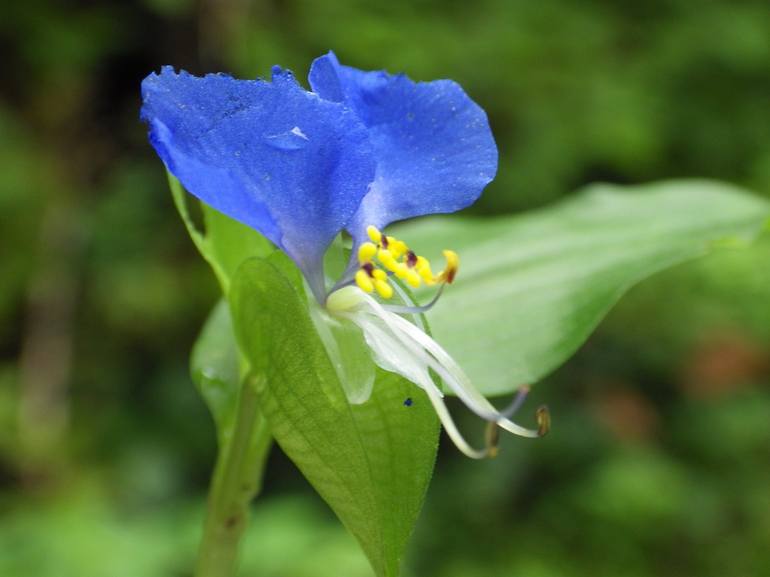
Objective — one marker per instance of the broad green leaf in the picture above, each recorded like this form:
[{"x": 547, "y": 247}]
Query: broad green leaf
[
  {"x": 532, "y": 287},
  {"x": 225, "y": 243},
  {"x": 371, "y": 462}
]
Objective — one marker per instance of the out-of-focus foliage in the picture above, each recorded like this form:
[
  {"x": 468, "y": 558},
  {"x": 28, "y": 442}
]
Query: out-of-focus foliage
[
  {"x": 535, "y": 285},
  {"x": 658, "y": 463}
]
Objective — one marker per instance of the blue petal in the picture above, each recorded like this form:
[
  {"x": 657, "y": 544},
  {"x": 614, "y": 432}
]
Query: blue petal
[
  {"x": 435, "y": 152},
  {"x": 268, "y": 154}
]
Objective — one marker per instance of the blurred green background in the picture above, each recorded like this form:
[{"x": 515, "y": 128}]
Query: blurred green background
[{"x": 659, "y": 462}]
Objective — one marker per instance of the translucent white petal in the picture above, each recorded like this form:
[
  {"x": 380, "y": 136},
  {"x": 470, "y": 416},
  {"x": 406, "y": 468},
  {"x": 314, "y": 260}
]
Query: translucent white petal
[
  {"x": 348, "y": 353},
  {"x": 392, "y": 353},
  {"x": 401, "y": 347}
]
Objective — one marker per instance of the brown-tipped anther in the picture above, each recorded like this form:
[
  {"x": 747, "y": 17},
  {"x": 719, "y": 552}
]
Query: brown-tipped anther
[
  {"x": 411, "y": 259},
  {"x": 452, "y": 264},
  {"x": 369, "y": 268},
  {"x": 492, "y": 437},
  {"x": 543, "y": 416}
]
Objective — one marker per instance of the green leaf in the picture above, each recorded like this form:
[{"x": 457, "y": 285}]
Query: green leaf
[
  {"x": 225, "y": 243},
  {"x": 214, "y": 365},
  {"x": 217, "y": 368},
  {"x": 371, "y": 462},
  {"x": 230, "y": 243},
  {"x": 532, "y": 287}
]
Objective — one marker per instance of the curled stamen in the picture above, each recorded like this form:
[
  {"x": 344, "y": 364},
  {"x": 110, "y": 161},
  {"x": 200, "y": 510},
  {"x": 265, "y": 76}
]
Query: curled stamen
[
  {"x": 517, "y": 402},
  {"x": 413, "y": 309},
  {"x": 543, "y": 416},
  {"x": 446, "y": 367},
  {"x": 402, "y": 347},
  {"x": 492, "y": 438},
  {"x": 450, "y": 270},
  {"x": 452, "y": 431}
]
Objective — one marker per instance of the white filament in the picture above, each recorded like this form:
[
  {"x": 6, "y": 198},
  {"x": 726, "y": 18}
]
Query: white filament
[{"x": 403, "y": 348}]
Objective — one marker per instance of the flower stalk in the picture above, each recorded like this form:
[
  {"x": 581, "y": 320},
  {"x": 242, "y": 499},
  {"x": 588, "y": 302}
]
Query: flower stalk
[{"x": 237, "y": 480}]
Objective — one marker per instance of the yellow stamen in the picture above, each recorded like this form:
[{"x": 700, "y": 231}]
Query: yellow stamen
[
  {"x": 397, "y": 247},
  {"x": 379, "y": 274},
  {"x": 364, "y": 281},
  {"x": 395, "y": 257},
  {"x": 387, "y": 260},
  {"x": 366, "y": 252},
  {"x": 401, "y": 270},
  {"x": 450, "y": 270},
  {"x": 413, "y": 278},
  {"x": 423, "y": 269},
  {"x": 374, "y": 234},
  {"x": 383, "y": 288}
]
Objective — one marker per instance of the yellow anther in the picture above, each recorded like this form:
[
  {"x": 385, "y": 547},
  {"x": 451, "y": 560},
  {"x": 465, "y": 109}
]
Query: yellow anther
[
  {"x": 387, "y": 260},
  {"x": 379, "y": 274},
  {"x": 397, "y": 247},
  {"x": 452, "y": 264},
  {"x": 383, "y": 288},
  {"x": 374, "y": 234},
  {"x": 423, "y": 269},
  {"x": 366, "y": 252},
  {"x": 364, "y": 281},
  {"x": 394, "y": 257},
  {"x": 413, "y": 278},
  {"x": 401, "y": 270}
]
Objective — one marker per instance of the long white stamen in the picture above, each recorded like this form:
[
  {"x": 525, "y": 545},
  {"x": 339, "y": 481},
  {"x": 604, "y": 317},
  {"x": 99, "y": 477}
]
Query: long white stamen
[
  {"x": 394, "y": 354},
  {"x": 404, "y": 355},
  {"x": 411, "y": 352},
  {"x": 448, "y": 370},
  {"x": 454, "y": 433}
]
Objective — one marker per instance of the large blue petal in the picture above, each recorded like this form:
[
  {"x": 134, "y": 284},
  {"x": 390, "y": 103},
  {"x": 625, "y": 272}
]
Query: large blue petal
[
  {"x": 268, "y": 154},
  {"x": 435, "y": 152}
]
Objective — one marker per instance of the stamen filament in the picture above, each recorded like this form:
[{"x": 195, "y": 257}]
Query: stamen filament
[
  {"x": 449, "y": 371},
  {"x": 413, "y": 309},
  {"x": 454, "y": 433},
  {"x": 431, "y": 355}
]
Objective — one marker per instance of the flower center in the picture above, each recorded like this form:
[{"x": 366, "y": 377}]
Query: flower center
[
  {"x": 394, "y": 257},
  {"x": 401, "y": 347}
]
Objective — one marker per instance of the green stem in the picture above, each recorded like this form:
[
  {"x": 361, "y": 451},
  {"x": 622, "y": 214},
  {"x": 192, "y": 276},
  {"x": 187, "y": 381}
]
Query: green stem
[{"x": 237, "y": 479}]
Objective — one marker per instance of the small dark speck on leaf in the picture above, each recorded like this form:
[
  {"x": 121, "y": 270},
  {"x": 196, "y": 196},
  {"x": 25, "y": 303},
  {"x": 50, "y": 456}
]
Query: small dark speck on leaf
[{"x": 408, "y": 402}]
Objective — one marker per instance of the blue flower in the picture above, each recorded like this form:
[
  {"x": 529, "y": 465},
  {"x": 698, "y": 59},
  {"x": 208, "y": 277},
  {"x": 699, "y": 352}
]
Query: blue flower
[
  {"x": 432, "y": 144},
  {"x": 362, "y": 150},
  {"x": 366, "y": 148},
  {"x": 269, "y": 154}
]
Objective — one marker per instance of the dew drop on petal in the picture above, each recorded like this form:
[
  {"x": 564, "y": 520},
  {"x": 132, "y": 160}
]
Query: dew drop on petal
[{"x": 293, "y": 139}]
